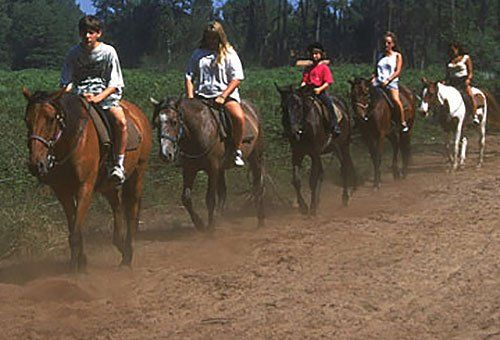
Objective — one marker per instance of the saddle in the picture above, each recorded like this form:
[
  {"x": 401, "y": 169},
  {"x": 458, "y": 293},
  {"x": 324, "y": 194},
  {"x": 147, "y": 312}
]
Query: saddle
[
  {"x": 223, "y": 119},
  {"x": 105, "y": 130},
  {"x": 325, "y": 113}
]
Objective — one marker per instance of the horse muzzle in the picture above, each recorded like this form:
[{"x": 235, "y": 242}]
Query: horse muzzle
[{"x": 41, "y": 168}]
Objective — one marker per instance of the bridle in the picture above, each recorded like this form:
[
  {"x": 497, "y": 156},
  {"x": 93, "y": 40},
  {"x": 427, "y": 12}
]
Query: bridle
[{"x": 50, "y": 144}]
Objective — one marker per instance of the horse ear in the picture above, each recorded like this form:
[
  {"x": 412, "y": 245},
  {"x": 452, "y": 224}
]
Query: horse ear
[
  {"x": 154, "y": 101},
  {"x": 424, "y": 80},
  {"x": 60, "y": 92},
  {"x": 350, "y": 81},
  {"x": 26, "y": 93}
]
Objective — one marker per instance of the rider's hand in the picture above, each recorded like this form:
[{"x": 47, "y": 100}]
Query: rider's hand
[
  {"x": 467, "y": 82},
  {"x": 91, "y": 98},
  {"x": 317, "y": 90},
  {"x": 220, "y": 100},
  {"x": 384, "y": 83}
]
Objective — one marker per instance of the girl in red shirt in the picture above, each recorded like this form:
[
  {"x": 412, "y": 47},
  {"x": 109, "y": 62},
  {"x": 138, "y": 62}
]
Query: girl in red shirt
[{"x": 319, "y": 76}]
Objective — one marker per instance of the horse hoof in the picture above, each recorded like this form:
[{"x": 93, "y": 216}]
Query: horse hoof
[
  {"x": 479, "y": 165},
  {"x": 345, "y": 200},
  {"x": 261, "y": 224},
  {"x": 304, "y": 210}
]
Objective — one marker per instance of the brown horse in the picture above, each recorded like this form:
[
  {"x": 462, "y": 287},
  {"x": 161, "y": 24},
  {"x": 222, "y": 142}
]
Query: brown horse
[
  {"x": 374, "y": 116},
  {"x": 64, "y": 153},
  {"x": 189, "y": 132},
  {"x": 309, "y": 134}
]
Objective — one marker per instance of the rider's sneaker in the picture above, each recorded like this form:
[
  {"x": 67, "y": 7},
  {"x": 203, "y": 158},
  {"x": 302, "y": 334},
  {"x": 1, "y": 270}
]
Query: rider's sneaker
[
  {"x": 118, "y": 174},
  {"x": 238, "y": 158},
  {"x": 405, "y": 129},
  {"x": 476, "y": 120}
]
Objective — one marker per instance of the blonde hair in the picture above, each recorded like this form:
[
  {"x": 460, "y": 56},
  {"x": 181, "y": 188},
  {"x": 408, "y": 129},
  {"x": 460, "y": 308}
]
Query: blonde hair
[{"x": 213, "y": 34}]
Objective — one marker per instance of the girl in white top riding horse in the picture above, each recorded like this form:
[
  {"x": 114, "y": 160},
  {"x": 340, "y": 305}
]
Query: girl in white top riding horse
[
  {"x": 459, "y": 74},
  {"x": 389, "y": 68},
  {"x": 216, "y": 70}
]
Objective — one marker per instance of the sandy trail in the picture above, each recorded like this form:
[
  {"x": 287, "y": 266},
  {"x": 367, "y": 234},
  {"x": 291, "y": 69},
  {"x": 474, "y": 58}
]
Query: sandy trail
[{"x": 418, "y": 259}]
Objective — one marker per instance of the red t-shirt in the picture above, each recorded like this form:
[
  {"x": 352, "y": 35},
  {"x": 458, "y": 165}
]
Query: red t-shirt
[{"x": 317, "y": 75}]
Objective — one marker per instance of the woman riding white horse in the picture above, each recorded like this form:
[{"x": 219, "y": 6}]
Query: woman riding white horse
[{"x": 447, "y": 102}]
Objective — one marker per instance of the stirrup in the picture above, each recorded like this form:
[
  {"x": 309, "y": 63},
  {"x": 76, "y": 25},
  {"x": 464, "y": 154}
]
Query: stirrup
[{"x": 476, "y": 120}]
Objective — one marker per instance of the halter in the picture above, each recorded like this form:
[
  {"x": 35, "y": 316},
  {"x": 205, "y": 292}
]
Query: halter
[
  {"x": 50, "y": 144},
  {"x": 181, "y": 134}
]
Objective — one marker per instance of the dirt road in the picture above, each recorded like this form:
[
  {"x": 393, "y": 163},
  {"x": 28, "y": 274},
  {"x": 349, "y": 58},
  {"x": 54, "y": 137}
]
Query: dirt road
[{"x": 418, "y": 259}]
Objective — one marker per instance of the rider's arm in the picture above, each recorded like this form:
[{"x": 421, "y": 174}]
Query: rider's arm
[
  {"x": 307, "y": 62},
  {"x": 188, "y": 84},
  {"x": 233, "y": 84}
]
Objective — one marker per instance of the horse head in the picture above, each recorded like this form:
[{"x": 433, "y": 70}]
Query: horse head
[
  {"x": 167, "y": 120},
  {"x": 292, "y": 108},
  {"x": 360, "y": 97},
  {"x": 45, "y": 121},
  {"x": 430, "y": 97}
]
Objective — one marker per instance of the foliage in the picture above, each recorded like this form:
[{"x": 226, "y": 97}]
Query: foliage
[{"x": 32, "y": 219}]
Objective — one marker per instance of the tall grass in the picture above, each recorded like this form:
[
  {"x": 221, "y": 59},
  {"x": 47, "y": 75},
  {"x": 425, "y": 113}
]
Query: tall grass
[{"x": 30, "y": 218}]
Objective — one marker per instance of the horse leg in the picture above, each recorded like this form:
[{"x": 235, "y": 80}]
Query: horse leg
[
  {"x": 405, "y": 147},
  {"x": 115, "y": 200},
  {"x": 221, "y": 191},
  {"x": 188, "y": 177},
  {"x": 456, "y": 147},
  {"x": 256, "y": 167},
  {"x": 65, "y": 196},
  {"x": 447, "y": 148},
  {"x": 132, "y": 203},
  {"x": 482, "y": 142},
  {"x": 376, "y": 155},
  {"x": 463, "y": 151},
  {"x": 315, "y": 180},
  {"x": 297, "y": 163},
  {"x": 83, "y": 197},
  {"x": 346, "y": 170},
  {"x": 395, "y": 142},
  {"x": 213, "y": 176}
]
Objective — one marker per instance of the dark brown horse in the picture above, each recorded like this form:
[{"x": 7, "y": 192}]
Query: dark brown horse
[
  {"x": 308, "y": 131},
  {"x": 64, "y": 153},
  {"x": 189, "y": 133},
  {"x": 375, "y": 118}
]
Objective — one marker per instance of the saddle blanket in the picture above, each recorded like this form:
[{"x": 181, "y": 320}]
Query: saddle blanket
[{"x": 105, "y": 132}]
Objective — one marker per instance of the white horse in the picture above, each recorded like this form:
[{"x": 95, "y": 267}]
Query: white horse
[{"x": 447, "y": 103}]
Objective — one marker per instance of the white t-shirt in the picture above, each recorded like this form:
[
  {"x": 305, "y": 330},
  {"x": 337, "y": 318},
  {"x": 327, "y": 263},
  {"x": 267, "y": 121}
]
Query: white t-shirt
[
  {"x": 458, "y": 69},
  {"x": 211, "y": 78},
  {"x": 93, "y": 71},
  {"x": 386, "y": 66}
]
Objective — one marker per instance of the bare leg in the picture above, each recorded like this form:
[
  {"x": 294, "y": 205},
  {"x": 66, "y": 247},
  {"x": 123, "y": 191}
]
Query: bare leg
[
  {"x": 399, "y": 105},
  {"x": 238, "y": 117},
  {"x": 121, "y": 133}
]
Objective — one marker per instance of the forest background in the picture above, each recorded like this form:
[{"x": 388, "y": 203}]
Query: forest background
[{"x": 160, "y": 34}]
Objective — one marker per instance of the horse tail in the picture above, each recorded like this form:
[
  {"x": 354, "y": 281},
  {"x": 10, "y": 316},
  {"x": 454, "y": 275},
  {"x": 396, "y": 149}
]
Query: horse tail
[{"x": 493, "y": 111}]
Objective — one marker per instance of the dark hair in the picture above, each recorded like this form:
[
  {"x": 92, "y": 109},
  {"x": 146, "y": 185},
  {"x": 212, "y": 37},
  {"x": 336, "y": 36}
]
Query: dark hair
[
  {"x": 90, "y": 23},
  {"x": 316, "y": 47},
  {"x": 458, "y": 46}
]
